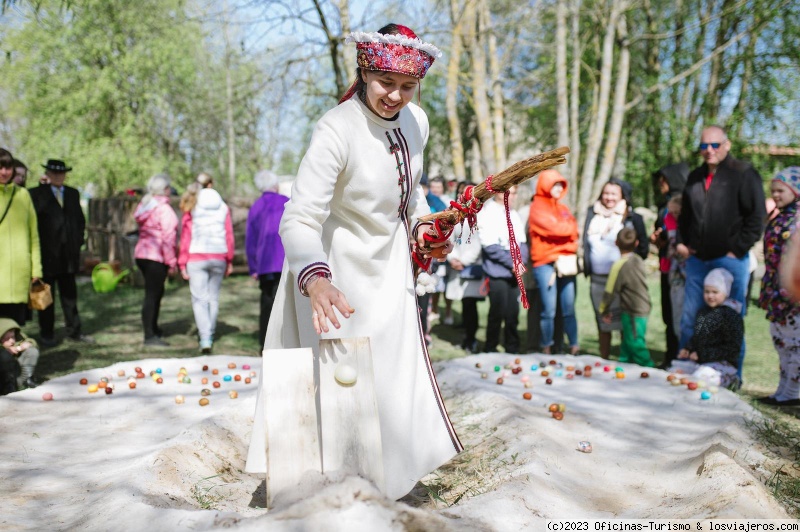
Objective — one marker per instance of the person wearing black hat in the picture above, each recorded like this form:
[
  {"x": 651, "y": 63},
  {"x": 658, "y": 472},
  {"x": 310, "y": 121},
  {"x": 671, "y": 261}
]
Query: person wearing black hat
[{"x": 61, "y": 228}]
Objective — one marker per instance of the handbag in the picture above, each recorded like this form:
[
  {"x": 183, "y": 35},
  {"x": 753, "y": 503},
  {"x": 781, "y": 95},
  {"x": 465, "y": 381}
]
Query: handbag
[
  {"x": 566, "y": 265},
  {"x": 40, "y": 295}
]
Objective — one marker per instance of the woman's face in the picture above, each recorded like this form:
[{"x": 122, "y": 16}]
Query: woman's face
[
  {"x": 388, "y": 92},
  {"x": 611, "y": 195},
  {"x": 6, "y": 173},
  {"x": 557, "y": 190}
]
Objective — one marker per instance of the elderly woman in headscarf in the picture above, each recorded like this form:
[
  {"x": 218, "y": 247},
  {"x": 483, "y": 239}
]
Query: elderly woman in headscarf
[
  {"x": 265, "y": 253},
  {"x": 155, "y": 252}
]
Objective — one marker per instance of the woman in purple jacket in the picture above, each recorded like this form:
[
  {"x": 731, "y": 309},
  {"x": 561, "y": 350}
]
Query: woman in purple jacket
[
  {"x": 155, "y": 251},
  {"x": 263, "y": 243}
]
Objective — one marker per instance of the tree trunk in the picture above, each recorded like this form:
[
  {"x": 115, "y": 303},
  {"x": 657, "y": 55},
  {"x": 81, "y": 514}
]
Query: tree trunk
[
  {"x": 498, "y": 107},
  {"x": 229, "y": 108},
  {"x": 620, "y": 98},
  {"x": 451, "y": 98},
  {"x": 480, "y": 98},
  {"x": 348, "y": 59},
  {"x": 562, "y": 99},
  {"x": 574, "y": 106},
  {"x": 600, "y": 112}
]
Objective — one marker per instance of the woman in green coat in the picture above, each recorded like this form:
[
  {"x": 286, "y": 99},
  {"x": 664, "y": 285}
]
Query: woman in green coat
[{"x": 20, "y": 256}]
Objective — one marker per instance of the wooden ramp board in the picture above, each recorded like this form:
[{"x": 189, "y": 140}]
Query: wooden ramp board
[
  {"x": 291, "y": 417},
  {"x": 351, "y": 431}
]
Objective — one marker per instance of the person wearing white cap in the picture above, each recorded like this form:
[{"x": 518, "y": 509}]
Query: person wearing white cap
[
  {"x": 713, "y": 350},
  {"x": 783, "y": 311}
]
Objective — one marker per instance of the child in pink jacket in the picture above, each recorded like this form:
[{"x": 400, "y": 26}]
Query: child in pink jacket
[{"x": 155, "y": 251}]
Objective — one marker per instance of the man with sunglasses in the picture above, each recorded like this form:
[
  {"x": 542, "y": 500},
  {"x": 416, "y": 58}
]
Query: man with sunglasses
[{"x": 721, "y": 218}]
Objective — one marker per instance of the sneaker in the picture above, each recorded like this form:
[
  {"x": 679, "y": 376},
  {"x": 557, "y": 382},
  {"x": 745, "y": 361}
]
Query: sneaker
[
  {"x": 448, "y": 320},
  {"x": 48, "y": 341},
  {"x": 30, "y": 383},
  {"x": 205, "y": 346},
  {"x": 83, "y": 338},
  {"x": 433, "y": 316},
  {"x": 155, "y": 341}
]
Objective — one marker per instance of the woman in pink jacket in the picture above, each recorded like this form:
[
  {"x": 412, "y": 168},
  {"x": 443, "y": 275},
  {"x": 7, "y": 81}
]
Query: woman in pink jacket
[{"x": 155, "y": 251}]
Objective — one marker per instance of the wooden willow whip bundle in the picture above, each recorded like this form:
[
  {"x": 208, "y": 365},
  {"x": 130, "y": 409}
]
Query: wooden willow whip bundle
[{"x": 511, "y": 176}]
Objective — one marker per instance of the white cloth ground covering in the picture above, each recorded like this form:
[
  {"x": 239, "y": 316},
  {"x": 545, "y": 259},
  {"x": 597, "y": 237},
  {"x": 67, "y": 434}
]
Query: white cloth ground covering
[{"x": 136, "y": 460}]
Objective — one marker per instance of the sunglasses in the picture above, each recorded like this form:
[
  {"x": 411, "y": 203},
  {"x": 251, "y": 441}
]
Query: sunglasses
[{"x": 706, "y": 145}]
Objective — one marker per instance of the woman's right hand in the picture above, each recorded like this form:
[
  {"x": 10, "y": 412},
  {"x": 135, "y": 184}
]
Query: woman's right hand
[
  {"x": 324, "y": 298},
  {"x": 185, "y": 275}
]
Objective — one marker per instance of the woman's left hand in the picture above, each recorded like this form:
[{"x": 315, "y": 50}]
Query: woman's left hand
[{"x": 427, "y": 248}]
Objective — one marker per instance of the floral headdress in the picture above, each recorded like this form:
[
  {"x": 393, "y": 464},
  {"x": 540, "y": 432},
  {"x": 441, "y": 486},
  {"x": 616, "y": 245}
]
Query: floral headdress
[{"x": 403, "y": 53}]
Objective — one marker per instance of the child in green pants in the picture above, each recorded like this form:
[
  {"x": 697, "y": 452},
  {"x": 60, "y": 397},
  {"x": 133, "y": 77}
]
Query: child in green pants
[{"x": 627, "y": 279}]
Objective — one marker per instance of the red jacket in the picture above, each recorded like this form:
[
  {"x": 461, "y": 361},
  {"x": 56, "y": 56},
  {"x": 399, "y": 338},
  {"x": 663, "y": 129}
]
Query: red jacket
[{"x": 552, "y": 228}]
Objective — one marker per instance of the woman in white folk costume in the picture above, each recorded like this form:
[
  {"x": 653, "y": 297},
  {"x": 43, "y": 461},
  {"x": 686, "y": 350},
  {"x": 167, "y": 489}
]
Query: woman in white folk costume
[{"x": 351, "y": 237}]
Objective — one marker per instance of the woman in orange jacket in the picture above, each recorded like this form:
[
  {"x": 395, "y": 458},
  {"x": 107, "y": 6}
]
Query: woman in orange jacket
[{"x": 553, "y": 234}]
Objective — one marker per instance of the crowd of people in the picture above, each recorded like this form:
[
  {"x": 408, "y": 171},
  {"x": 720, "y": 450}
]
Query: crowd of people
[
  {"x": 42, "y": 232},
  {"x": 708, "y": 221}
]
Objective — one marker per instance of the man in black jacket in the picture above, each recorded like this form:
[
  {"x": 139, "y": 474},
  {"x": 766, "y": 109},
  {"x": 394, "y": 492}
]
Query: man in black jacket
[
  {"x": 61, "y": 227},
  {"x": 722, "y": 217}
]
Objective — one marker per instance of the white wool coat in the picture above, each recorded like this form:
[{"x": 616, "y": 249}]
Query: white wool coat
[{"x": 352, "y": 211}]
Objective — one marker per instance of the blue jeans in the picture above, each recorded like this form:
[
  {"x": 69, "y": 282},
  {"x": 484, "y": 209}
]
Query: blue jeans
[
  {"x": 696, "y": 271},
  {"x": 550, "y": 288}
]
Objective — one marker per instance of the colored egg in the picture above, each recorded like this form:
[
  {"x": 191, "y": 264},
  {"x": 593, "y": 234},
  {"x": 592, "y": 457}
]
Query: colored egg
[
  {"x": 534, "y": 367},
  {"x": 527, "y": 396},
  {"x": 132, "y": 385},
  {"x": 344, "y": 374},
  {"x": 92, "y": 388},
  {"x": 620, "y": 374},
  {"x": 158, "y": 370},
  {"x": 109, "y": 390},
  {"x": 140, "y": 375},
  {"x": 216, "y": 384},
  {"x": 570, "y": 368},
  {"x": 597, "y": 364},
  {"x": 110, "y": 385},
  {"x": 705, "y": 395},
  {"x": 578, "y": 372},
  {"x": 227, "y": 378},
  {"x": 500, "y": 380},
  {"x": 549, "y": 381},
  {"x": 562, "y": 407},
  {"x": 121, "y": 373},
  {"x": 205, "y": 368},
  {"x": 233, "y": 394},
  {"x": 524, "y": 378},
  {"x": 245, "y": 366},
  {"x": 528, "y": 384},
  {"x": 701, "y": 384},
  {"x": 713, "y": 389},
  {"x": 558, "y": 416},
  {"x": 104, "y": 379},
  {"x": 84, "y": 381},
  {"x": 553, "y": 407},
  {"x": 544, "y": 373},
  {"x": 587, "y": 368},
  {"x": 137, "y": 369},
  {"x": 691, "y": 385},
  {"x": 101, "y": 384},
  {"x": 47, "y": 396},
  {"x": 618, "y": 369},
  {"x": 644, "y": 375},
  {"x": 215, "y": 371},
  {"x": 179, "y": 399},
  {"x": 606, "y": 368},
  {"x": 675, "y": 382},
  {"x": 559, "y": 373},
  {"x": 477, "y": 364},
  {"x": 152, "y": 372},
  {"x": 204, "y": 380},
  {"x": 187, "y": 380},
  {"x": 160, "y": 380},
  {"x": 247, "y": 380},
  {"x": 253, "y": 374},
  {"x": 497, "y": 368},
  {"x": 205, "y": 391},
  {"x": 516, "y": 361},
  {"x": 204, "y": 401},
  {"x": 237, "y": 377},
  {"x": 552, "y": 362},
  {"x": 570, "y": 376},
  {"x": 671, "y": 378},
  {"x": 231, "y": 366}
]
